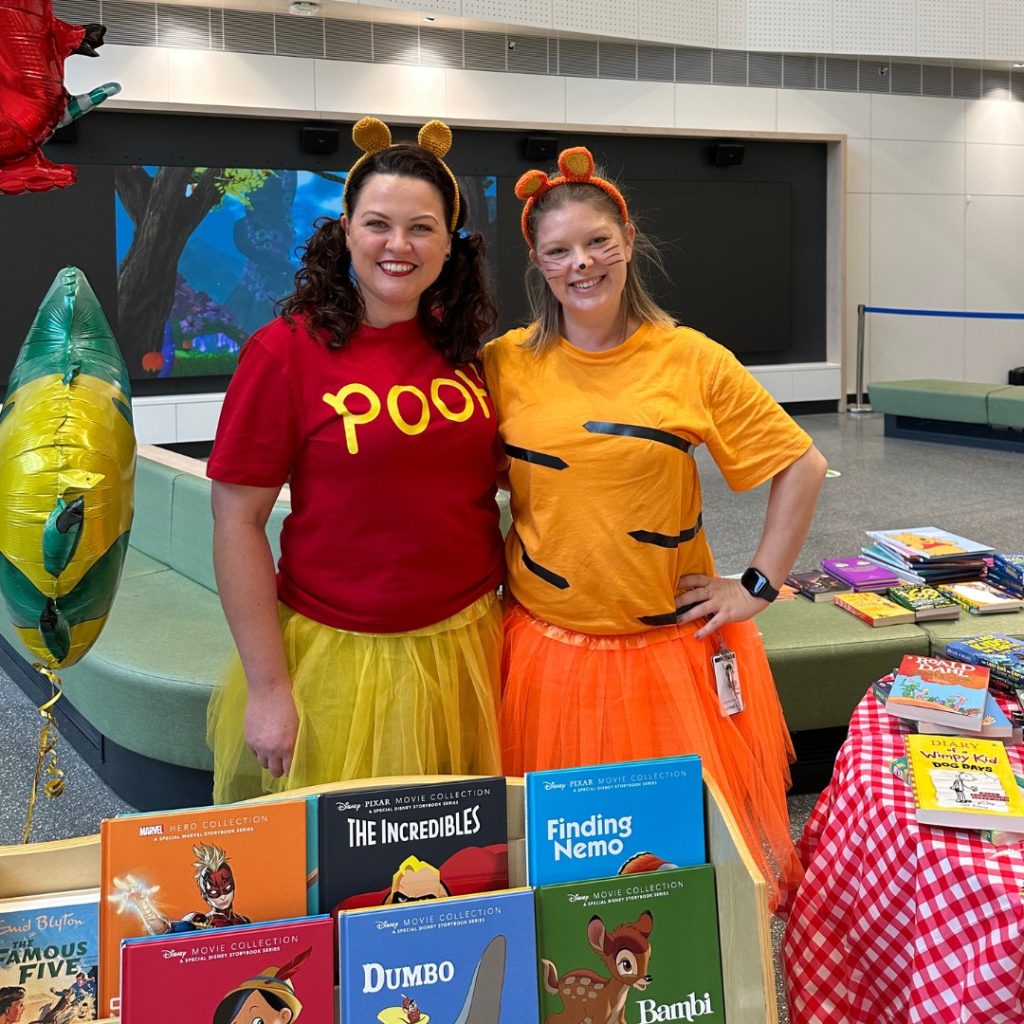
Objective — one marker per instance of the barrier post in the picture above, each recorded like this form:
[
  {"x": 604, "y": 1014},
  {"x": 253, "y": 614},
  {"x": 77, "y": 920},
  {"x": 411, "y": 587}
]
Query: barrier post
[{"x": 860, "y": 406}]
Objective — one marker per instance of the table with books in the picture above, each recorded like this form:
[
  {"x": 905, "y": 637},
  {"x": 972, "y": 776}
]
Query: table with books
[{"x": 898, "y": 921}]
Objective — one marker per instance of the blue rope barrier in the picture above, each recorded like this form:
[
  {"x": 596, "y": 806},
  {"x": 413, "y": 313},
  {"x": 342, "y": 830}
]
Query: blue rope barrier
[{"x": 944, "y": 312}]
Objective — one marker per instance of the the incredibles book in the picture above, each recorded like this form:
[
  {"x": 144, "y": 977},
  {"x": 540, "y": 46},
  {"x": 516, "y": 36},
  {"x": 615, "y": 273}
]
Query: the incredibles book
[
  {"x": 614, "y": 819},
  {"x": 240, "y": 975},
  {"x": 49, "y": 946},
  {"x": 401, "y": 844},
  {"x": 466, "y": 960},
  {"x": 197, "y": 870},
  {"x": 631, "y": 949}
]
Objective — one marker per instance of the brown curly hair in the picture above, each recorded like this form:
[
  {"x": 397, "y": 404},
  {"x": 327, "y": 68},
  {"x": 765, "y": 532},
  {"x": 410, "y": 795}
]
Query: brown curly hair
[{"x": 456, "y": 312}]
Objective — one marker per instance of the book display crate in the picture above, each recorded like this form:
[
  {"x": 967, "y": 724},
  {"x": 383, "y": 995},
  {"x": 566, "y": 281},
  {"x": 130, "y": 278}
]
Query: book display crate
[{"x": 743, "y": 916}]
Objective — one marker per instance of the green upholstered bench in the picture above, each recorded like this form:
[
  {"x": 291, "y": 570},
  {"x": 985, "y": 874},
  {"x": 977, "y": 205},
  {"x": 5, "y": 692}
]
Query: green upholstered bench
[
  {"x": 941, "y": 633},
  {"x": 952, "y": 411}
]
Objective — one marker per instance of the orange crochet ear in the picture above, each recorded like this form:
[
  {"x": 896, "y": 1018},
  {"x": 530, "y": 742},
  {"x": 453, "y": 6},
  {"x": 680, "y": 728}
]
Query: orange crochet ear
[
  {"x": 531, "y": 184},
  {"x": 371, "y": 135},
  {"x": 436, "y": 137},
  {"x": 577, "y": 164}
]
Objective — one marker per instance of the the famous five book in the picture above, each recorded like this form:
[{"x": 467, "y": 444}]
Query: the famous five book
[
  {"x": 465, "y": 960},
  {"x": 962, "y": 782},
  {"x": 939, "y": 690},
  {"x": 399, "y": 844},
  {"x": 614, "y": 819},
  {"x": 49, "y": 948},
  {"x": 197, "y": 870},
  {"x": 239, "y": 975},
  {"x": 636, "y": 949}
]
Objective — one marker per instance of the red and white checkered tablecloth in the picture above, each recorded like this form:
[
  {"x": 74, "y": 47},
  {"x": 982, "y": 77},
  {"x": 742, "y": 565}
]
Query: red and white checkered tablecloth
[{"x": 896, "y": 923}]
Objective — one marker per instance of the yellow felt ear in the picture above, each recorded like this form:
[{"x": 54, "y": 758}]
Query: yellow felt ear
[
  {"x": 576, "y": 163},
  {"x": 530, "y": 184},
  {"x": 371, "y": 135},
  {"x": 436, "y": 137}
]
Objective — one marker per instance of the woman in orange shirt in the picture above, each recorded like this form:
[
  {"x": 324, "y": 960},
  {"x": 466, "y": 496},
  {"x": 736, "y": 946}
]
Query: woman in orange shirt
[{"x": 618, "y": 628}]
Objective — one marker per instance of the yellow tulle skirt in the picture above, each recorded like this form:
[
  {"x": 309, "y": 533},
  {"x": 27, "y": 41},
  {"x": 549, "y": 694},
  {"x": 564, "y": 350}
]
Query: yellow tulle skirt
[
  {"x": 371, "y": 704},
  {"x": 572, "y": 698}
]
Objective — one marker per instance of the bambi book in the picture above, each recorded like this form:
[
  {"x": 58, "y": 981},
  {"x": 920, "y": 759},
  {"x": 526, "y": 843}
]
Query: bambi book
[
  {"x": 962, "y": 782},
  {"x": 614, "y": 819},
  {"x": 468, "y": 959},
  {"x": 196, "y": 871},
  {"x": 937, "y": 690}
]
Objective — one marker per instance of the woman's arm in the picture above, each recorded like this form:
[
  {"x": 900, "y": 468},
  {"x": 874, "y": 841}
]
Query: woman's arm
[
  {"x": 794, "y": 491},
  {"x": 244, "y": 565}
]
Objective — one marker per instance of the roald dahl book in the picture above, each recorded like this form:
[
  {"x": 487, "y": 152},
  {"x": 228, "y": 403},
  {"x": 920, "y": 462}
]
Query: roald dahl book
[
  {"x": 195, "y": 870},
  {"x": 613, "y": 819},
  {"x": 639, "y": 949},
  {"x": 402, "y": 843},
  {"x": 49, "y": 947},
  {"x": 239, "y": 975},
  {"x": 469, "y": 959}
]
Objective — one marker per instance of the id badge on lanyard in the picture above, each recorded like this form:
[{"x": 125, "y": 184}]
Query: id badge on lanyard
[{"x": 727, "y": 679}]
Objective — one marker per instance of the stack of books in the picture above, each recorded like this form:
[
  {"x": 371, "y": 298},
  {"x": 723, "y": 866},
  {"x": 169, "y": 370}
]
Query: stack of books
[
  {"x": 981, "y": 598},
  {"x": 928, "y": 555},
  {"x": 1002, "y": 655},
  {"x": 1007, "y": 573},
  {"x": 860, "y": 574},
  {"x": 817, "y": 585},
  {"x": 927, "y": 603}
]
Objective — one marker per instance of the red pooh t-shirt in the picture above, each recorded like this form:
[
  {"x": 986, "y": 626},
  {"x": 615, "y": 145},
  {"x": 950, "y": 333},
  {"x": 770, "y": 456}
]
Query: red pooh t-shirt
[{"x": 391, "y": 456}]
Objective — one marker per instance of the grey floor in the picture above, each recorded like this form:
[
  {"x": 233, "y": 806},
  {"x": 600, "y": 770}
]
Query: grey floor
[{"x": 880, "y": 483}]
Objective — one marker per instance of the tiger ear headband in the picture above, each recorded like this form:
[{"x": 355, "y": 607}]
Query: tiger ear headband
[
  {"x": 373, "y": 136},
  {"x": 576, "y": 164}
]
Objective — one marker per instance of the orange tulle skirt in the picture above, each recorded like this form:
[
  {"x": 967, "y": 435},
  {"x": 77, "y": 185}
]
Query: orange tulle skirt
[{"x": 573, "y": 698}]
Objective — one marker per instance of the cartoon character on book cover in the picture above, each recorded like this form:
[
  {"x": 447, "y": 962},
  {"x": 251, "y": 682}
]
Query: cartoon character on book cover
[{"x": 268, "y": 998}]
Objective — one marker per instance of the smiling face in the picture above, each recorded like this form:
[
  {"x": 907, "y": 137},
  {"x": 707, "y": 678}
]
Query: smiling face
[
  {"x": 256, "y": 1010},
  {"x": 583, "y": 252},
  {"x": 398, "y": 239}
]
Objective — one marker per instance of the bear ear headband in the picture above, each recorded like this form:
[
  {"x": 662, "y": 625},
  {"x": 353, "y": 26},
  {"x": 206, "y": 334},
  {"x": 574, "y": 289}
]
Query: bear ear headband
[
  {"x": 576, "y": 164},
  {"x": 373, "y": 136}
]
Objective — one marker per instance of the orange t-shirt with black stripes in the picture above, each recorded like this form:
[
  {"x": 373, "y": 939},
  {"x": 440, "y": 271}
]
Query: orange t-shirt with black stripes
[{"x": 606, "y": 499}]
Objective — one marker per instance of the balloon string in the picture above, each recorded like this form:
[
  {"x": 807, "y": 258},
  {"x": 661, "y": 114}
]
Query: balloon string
[{"x": 46, "y": 755}]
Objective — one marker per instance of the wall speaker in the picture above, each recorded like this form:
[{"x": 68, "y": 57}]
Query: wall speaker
[
  {"x": 541, "y": 148},
  {"x": 727, "y": 154},
  {"x": 320, "y": 139}
]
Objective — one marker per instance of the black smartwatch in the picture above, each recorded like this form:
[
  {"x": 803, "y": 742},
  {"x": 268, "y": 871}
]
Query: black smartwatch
[{"x": 757, "y": 585}]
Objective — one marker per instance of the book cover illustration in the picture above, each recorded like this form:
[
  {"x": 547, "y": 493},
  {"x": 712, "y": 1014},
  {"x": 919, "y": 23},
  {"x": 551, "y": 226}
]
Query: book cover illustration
[
  {"x": 860, "y": 573},
  {"x": 939, "y": 690},
  {"x": 611, "y": 819},
  {"x": 468, "y": 960},
  {"x": 816, "y": 584},
  {"x": 925, "y": 602},
  {"x": 639, "y": 949},
  {"x": 963, "y": 782},
  {"x": 1002, "y": 655},
  {"x": 995, "y": 724},
  {"x": 197, "y": 869},
  {"x": 979, "y": 597},
  {"x": 874, "y": 609},
  {"x": 1010, "y": 565},
  {"x": 49, "y": 948},
  {"x": 923, "y": 543},
  {"x": 401, "y": 844},
  {"x": 266, "y": 973}
]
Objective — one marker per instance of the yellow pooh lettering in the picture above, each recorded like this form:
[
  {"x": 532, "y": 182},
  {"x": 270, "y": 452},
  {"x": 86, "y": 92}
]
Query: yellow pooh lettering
[{"x": 456, "y": 409}]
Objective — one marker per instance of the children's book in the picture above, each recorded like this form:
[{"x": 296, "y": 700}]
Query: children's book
[
  {"x": 467, "y": 960},
  {"x": 949, "y": 693},
  {"x": 637, "y": 949},
  {"x": 925, "y": 602},
  {"x": 874, "y": 609},
  {"x": 927, "y": 543},
  {"x": 860, "y": 573},
  {"x": 614, "y": 819},
  {"x": 963, "y": 782},
  {"x": 1002, "y": 655},
  {"x": 995, "y": 725},
  {"x": 194, "y": 870},
  {"x": 402, "y": 843},
  {"x": 980, "y": 598},
  {"x": 1008, "y": 584},
  {"x": 817, "y": 585},
  {"x": 266, "y": 973},
  {"x": 1009, "y": 565},
  {"x": 49, "y": 948}
]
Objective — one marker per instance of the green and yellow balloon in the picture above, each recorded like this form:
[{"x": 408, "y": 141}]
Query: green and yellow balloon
[{"x": 67, "y": 474}]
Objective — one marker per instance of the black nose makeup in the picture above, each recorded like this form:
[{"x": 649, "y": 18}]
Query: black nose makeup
[{"x": 583, "y": 266}]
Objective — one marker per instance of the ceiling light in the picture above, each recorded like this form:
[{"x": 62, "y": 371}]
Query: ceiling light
[
  {"x": 1021, "y": 65},
  {"x": 429, "y": 17},
  {"x": 303, "y": 8}
]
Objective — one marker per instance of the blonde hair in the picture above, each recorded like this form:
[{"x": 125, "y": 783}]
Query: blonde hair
[
  {"x": 210, "y": 858},
  {"x": 546, "y": 310}
]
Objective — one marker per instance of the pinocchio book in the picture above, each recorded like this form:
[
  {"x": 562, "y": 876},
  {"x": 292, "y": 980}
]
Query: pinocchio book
[
  {"x": 196, "y": 870},
  {"x": 246, "y": 973}
]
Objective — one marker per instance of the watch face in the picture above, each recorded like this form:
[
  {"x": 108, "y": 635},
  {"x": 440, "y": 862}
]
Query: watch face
[{"x": 756, "y": 582}]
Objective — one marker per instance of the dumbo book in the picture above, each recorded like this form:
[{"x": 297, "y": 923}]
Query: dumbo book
[
  {"x": 631, "y": 950},
  {"x": 464, "y": 960},
  {"x": 197, "y": 871},
  {"x": 257, "y": 972}
]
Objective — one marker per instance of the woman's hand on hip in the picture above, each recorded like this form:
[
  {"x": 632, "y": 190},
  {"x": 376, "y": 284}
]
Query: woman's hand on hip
[
  {"x": 271, "y": 725},
  {"x": 716, "y": 599}
]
